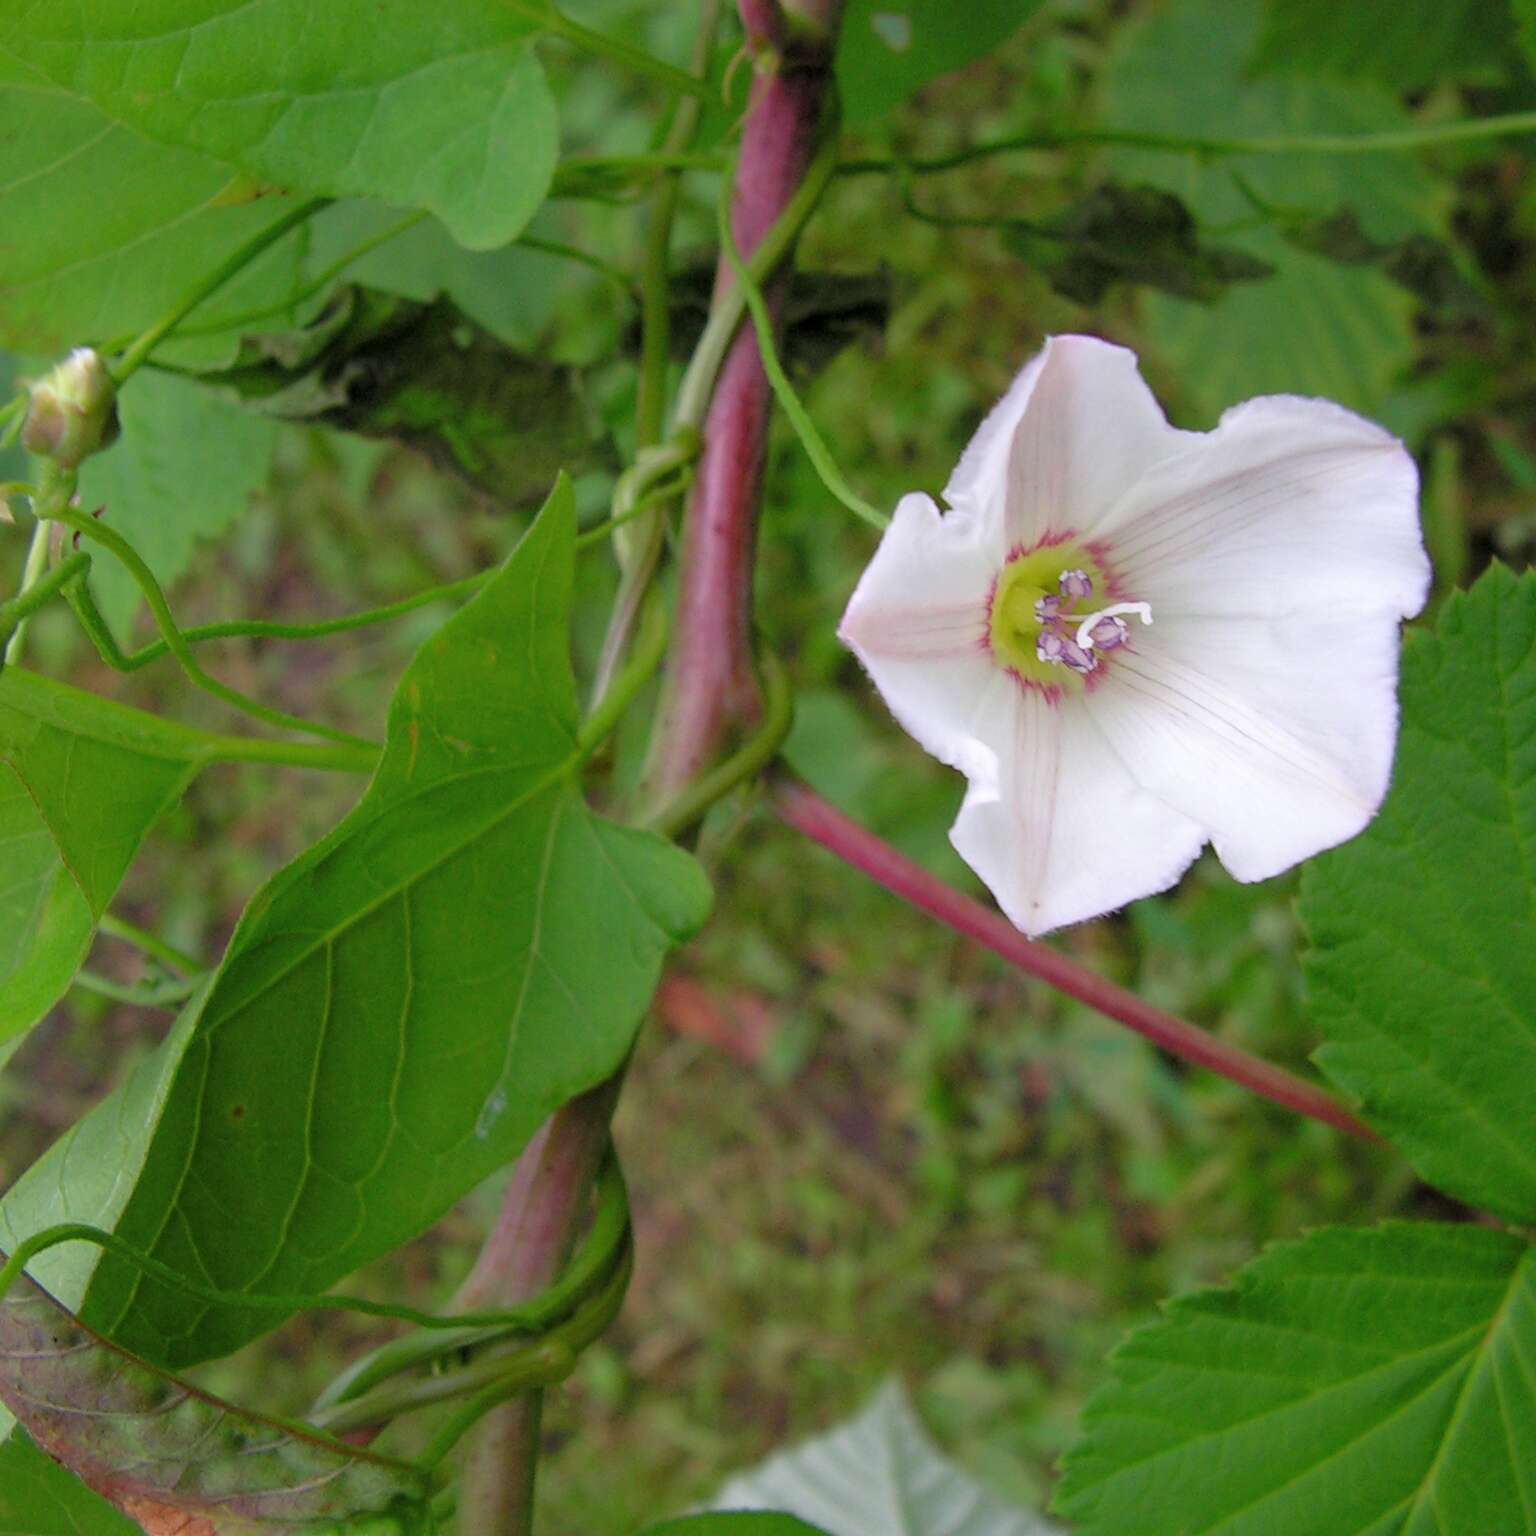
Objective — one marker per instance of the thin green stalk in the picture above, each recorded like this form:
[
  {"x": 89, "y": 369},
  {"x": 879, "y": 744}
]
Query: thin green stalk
[
  {"x": 138, "y": 353},
  {"x": 592, "y": 1261},
  {"x": 150, "y": 944},
  {"x": 559, "y": 1351},
  {"x": 574, "y": 253},
  {"x": 708, "y": 789},
  {"x": 652, "y": 465},
  {"x": 37, "y": 585},
  {"x": 344, "y": 757},
  {"x": 600, "y": 45},
  {"x": 12, "y": 414},
  {"x": 1509, "y": 125},
  {"x": 102, "y": 534},
  {"x": 315, "y": 285},
  {"x": 699, "y": 380},
  {"x": 639, "y": 552},
  {"x": 799, "y": 418},
  {"x": 162, "y": 994},
  {"x": 650, "y": 643},
  {"x": 264, "y": 629}
]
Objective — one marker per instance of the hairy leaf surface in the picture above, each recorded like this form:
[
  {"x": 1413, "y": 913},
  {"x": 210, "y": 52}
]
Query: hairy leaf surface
[
  {"x": 1313, "y": 328},
  {"x": 1355, "y": 1383},
  {"x": 173, "y": 1458},
  {"x": 105, "y": 230},
  {"x": 401, "y": 1007},
  {"x": 82, "y": 781},
  {"x": 181, "y": 473},
  {"x": 442, "y": 107},
  {"x": 1422, "y": 970}
]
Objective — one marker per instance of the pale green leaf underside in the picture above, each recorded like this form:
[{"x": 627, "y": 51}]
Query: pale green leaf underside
[
  {"x": 738, "y": 1523},
  {"x": 81, "y": 783},
  {"x": 105, "y": 230},
  {"x": 1355, "y": 1383},
  {"x": 878, "y": 1475},
  {"x": 1422, "y": 968},
  {"x": 440, "y": 106},
  {"x": 1314, "y": 328},
  {"x": 400, "y": 1008},
  {"x": 182, "y": 472}
]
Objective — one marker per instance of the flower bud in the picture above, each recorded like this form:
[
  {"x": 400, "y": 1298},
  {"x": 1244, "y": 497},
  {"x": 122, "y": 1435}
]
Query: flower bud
[{"x": 73, "y": 412}]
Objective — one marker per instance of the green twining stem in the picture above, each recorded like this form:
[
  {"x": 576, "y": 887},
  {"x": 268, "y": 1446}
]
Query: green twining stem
[
  {"x": 650, "y": 644},
  {"x": 588, "y": 1273},
  {"x": 169, "y": 992},
  {"x": 698, "y": 381},
  {"x": 34, "y": 593},
  {"x": 144, "y": 578},
  {"x": 743, "y": 765},
  {"x": 799, "y": 418},
  {"x": 556, "y": 1356},
  {"x": 151, "y": 944},
  {"x": 138, "y": 353},
  {"x": 554, "y": 21},
  {"x": 597, "y": 1255}
]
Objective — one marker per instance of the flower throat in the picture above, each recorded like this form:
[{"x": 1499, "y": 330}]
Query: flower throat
[{"x": 1043, "y": 624}]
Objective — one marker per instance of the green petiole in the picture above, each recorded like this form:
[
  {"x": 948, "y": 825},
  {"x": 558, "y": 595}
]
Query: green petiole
[
  {"x": 755, "y": 755},
  {"x": 805, "y": 429},
  {"x": 604, "y": 1244},
  {"x": 85, "y": 610}
]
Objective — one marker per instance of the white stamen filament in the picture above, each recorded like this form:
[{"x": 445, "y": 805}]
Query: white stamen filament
[{"x": 1143, "y": 611}]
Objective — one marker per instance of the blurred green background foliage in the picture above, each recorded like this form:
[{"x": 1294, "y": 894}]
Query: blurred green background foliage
[{"x": 857, "y": 1145}]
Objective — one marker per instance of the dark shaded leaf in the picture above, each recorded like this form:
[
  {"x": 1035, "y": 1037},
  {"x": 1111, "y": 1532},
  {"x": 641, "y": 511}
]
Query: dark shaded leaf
[
  {"x": 1426, "y": 267},
  {"x": 175, "y": 1459},
  {"x": 823, "y": 313},
  {"x": 425, "y": 375},
  {"x": 1133, "y": 234}
]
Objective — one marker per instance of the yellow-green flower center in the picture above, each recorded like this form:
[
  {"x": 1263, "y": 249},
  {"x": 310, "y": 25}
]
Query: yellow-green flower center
[{"x": 1045, "y": 594}]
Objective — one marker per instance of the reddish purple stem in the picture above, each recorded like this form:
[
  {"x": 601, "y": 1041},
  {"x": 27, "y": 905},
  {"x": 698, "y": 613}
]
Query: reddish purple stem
[
  {"x": 825, "y": 824},
  {"x": 710, "y": 678}
]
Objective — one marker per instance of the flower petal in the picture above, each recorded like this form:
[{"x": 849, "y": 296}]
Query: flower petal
[
  {"x": 1075, "y": 431},
  {"x": 918, "y": 622},
  {"x": 1275, "y": 736},
  {"x": 1065, "y": 833},
  {"x": 1289, "y": 506}
]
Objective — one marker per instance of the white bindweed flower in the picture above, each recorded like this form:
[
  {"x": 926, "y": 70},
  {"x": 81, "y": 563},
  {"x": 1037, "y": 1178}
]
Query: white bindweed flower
[{"x": 1132, "y": 639}]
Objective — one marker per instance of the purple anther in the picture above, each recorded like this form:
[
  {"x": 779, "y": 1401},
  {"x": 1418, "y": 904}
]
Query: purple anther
[
  {"x": 1074, "y": 656},
  {"x": 1109, "y": 633},
  {"x": 1075, "y": 584},
  {"x": 1051, "y": 645},
  {"x": 1047, "y": 607}
]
